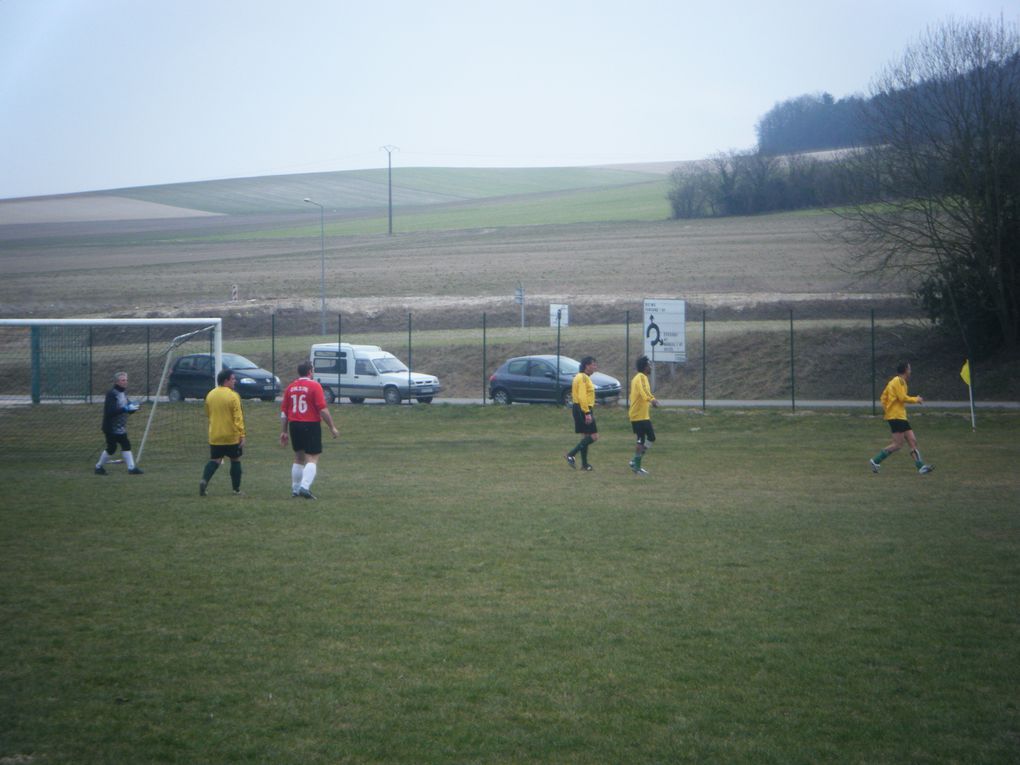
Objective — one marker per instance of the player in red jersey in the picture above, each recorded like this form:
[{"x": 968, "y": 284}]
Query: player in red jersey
[{"x": 302, "y": 411}]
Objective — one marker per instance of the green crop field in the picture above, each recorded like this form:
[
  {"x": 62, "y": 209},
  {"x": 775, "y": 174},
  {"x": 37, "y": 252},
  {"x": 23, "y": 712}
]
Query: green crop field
[
  {"x": 458, "y": 594},
  {"x": 362, "y": 190}
]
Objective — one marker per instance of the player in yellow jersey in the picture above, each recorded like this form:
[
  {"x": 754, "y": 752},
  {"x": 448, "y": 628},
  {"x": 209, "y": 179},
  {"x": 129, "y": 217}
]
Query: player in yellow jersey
[
  {"x": 894, "y": 402},
  {"x": 641, "y": 400},
  {"x": 583, "y": 393},
  {"x": 226, "y": 430}
]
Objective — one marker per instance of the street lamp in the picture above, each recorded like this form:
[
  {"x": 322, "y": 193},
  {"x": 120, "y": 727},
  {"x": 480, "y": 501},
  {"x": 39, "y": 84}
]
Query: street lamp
[{"x": 322, "y": 269}]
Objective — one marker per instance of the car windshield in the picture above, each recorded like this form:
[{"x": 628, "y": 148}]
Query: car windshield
[
  {"x": 233, "y": 361},
  {"x": 389, "y": 364}
]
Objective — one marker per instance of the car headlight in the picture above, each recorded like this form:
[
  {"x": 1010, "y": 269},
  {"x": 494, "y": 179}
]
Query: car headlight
[
  {"x": 247, "y": 381},
  {"x": 277, "y": 381}
]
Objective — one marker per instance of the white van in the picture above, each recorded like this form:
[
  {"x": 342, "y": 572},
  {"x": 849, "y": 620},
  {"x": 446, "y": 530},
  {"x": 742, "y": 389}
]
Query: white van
[{"x": 367, "y": 371}]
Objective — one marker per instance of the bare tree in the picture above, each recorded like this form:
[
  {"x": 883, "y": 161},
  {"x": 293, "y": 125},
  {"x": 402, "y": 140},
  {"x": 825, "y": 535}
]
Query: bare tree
[{"x": 944, "y": 157}]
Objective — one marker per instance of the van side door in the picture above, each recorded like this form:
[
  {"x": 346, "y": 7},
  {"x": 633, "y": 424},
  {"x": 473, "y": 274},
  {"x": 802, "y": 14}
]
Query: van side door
[{"x": 366, "y": 379}]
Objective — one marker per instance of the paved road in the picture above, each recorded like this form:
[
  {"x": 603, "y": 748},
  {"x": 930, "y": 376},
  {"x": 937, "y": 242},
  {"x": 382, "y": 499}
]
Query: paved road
[{"x": 690, "y": 403}]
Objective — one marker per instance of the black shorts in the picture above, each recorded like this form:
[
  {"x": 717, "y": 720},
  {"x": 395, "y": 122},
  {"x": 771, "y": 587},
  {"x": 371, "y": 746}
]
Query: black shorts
[
  {"x": 113, "y": 440},
  {"x": 219, "y": 451},
  {"x": 580, "y": 426},
  {"x": 643, "y": 430},
  {"x": 306, "y": 437},
  {"x": 899, "y": 426}
]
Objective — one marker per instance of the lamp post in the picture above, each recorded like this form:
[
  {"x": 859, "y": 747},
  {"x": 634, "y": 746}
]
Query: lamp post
[
  {"x": 322, "y": 264},
  {"x": 389, "y": 180}
]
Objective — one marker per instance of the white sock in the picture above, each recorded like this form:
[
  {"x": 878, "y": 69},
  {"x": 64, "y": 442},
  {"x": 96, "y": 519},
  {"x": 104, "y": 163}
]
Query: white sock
[
  {"x": 296, "y": 473},
  {"x": 129, "y": 459},
  {"x": 103, "y": 458},
  {"x": 309, "y": 476}
]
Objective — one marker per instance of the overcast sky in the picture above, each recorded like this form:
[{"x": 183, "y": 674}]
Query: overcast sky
[{"x": 99, "y": 94}]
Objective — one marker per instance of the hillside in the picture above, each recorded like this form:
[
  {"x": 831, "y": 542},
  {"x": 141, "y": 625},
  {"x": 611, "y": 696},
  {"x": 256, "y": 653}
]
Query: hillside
[{"x": 600, "y": 247}]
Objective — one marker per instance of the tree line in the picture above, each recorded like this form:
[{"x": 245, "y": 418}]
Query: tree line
[{"x": 927, "y": 182}]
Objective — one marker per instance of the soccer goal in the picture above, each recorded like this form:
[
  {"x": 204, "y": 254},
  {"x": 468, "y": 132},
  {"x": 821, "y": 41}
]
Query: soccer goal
[{"x": 54, "y": 375}]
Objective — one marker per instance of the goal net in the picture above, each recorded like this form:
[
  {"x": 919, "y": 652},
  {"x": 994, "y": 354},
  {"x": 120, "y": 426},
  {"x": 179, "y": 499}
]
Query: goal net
[{"x": 55, "y": 373}]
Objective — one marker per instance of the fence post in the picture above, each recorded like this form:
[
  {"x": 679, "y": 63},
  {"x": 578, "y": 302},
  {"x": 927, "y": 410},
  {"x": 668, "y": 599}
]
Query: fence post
[
  {"x": 485, "y": 362},
  {"x": 793, "y": 378},
  {"x": 409, "y": 358},
  {"x": 91, "y": 359},
  {"x": 626, "y": 345},
  {"x": 272, "y": 343},
  {"x": 340, "y": 376},
  {"x": 148, "y": 347},
  {"x": 874, "y": 371},
  {"x": 704, "y": 361},
  {"x": 559, "y": 314}
]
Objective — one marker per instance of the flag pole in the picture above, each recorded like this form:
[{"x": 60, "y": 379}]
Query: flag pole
[
  {"x": 965, "y": 376},
  {"x": 973, "y": 421}
]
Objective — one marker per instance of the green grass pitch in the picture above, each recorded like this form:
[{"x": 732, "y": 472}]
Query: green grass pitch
[{"x": 458, "y": 594}]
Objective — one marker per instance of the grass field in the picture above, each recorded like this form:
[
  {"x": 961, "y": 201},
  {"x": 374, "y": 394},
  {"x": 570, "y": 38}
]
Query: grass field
[{"x": 457, "y": 594}]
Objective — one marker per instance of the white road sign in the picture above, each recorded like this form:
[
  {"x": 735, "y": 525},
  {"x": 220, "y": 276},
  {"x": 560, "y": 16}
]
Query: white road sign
[{"x": 665, "y": 330}]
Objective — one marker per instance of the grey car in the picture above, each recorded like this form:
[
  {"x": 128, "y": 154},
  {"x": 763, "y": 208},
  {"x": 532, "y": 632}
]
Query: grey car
[{"x": 533, "y": 379}]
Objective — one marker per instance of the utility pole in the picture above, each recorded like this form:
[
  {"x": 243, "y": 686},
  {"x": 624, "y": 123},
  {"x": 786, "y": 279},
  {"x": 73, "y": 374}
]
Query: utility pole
[{"x": 389, "y": 180}]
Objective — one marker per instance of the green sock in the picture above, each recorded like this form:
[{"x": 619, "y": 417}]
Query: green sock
[
  {"x": 880, "y": 456},
  {"x": 235, "y": 475},
  {"x": 637, "y": 461},
  {"x": 919, "y": 464},
  {"x": 210, "y": 468}
]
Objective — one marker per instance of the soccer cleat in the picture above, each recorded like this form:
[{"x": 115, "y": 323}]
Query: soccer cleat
[
  {"x": 136, "y": 471},
  {"x": 570, "y": 461},
  {"x": 640, "y": 471},
  {"x": 100, "y": 470},
  {"x": 874, "y": 466},
  {"x": 294, "y": 494},
  {"x": 589, "y": 468},
  {"x": 631, "y": 464},
  {"x": 202, "y": 486},
  {"x": 303, "y": 492},
  {"x": 239, "y": 493},
  {"x": 924, "y": 469}
]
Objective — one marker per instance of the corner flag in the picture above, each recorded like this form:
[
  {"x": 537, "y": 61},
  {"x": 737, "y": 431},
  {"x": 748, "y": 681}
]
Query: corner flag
[{"x": 965, "y": 376}]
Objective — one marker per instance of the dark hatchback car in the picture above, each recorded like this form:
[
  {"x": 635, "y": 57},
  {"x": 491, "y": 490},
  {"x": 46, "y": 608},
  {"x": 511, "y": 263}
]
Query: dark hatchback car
[
  {"x": 533, "y": 379},
  {"x": 192, "y": 377}
]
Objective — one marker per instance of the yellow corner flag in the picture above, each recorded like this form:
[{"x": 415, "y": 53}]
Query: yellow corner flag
[{"x": 965, "y": 372}]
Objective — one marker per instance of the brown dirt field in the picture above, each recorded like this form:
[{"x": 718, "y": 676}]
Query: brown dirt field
[{"x": 153, "y": 268}]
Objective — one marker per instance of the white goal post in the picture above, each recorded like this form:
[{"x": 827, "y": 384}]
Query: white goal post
[{"x": 47, "y": 361}]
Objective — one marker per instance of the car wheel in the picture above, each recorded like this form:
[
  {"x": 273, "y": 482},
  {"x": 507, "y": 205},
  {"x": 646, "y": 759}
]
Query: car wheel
[
  {"x": 175, "y": 395},
  {"x": 357, "y": 400},
  {"x": 566, "y": 398},
  {"x": 391, "y": 395},
  {"x": 328, "y": 394},
  {"x": 425, "y": 400},
  {"x": 501, "y": 396}
]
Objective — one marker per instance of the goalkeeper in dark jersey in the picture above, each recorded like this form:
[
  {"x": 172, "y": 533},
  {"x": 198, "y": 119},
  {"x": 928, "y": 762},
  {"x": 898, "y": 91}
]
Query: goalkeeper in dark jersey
[{"x": 116, "y": 409}]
